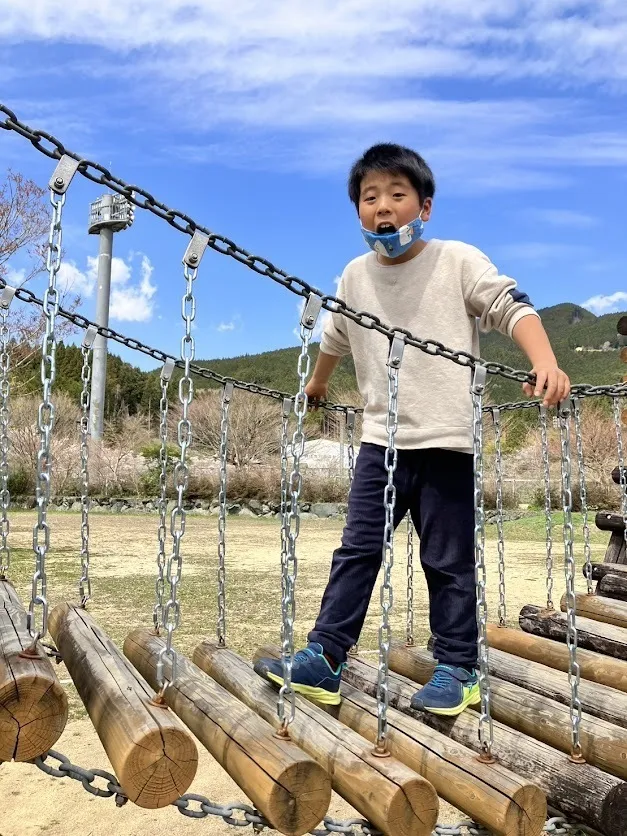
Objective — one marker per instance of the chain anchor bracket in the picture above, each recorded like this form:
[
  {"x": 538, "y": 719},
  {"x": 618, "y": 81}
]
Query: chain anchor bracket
[
  {"x": 196, "y": 249},
  {"x": 63, "y": 174}
]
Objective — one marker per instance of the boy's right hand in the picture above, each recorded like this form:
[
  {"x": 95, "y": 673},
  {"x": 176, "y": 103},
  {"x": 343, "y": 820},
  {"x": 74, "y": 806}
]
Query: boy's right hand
[{"x": 316, "y": 392}]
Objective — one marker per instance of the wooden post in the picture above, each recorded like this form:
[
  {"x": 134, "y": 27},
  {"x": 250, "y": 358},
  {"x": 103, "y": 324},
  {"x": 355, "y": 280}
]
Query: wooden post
[
  {"x": 33, "y": 704},
  {"x": 600, "y": 570},
  {"x": 591, "y": 634},
  {"x": 594, "y": 667},
  {"x": 580, "y": 791},
  {"x": 613, "y": 586},
  {"x": 606, "y": 521},
  {"x": 153, "y": 756},
  {"x": 491, "y": 795},
  {"x": 600, "y": 609},
  {"x": 603, "y": 744},
  {"x": 290, "y": 789},
  {"x": 394, "y": 798}
]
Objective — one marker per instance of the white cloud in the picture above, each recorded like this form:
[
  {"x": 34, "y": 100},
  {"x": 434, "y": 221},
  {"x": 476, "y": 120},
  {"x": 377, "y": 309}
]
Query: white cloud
[
  {"x": 226, "y": 326},
  {"x": 604, "y": 304},
  {"x": 541, "y": 251},
  {"x": 566, "y": 217},
  {"x": 131, "y": 299},
  {"x": 14, "y": 277},
  {"x": 316, "y": 334}
]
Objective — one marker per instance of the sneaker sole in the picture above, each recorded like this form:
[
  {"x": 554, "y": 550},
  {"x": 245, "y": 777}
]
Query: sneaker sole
[
  {"x": 310, "y": 691},
  {"x": 473, "y": 698}
]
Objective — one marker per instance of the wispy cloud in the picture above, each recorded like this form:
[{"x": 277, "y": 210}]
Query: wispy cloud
[
  {"x": 541, "y": 251},
  {"x": 566, "y": 218},
  {"x": 604, "y": 304}
]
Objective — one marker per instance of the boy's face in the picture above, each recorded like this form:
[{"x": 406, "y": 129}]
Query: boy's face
[{"x": 389, "y": 201}]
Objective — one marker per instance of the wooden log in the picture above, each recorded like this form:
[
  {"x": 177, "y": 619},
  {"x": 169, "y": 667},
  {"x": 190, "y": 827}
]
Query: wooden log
[
  {"x": 152, "y": 754},
  {"x": 394, "y": 798},
  {"x": 606, "y": 521},
  {"x": 594, "y": 667},
  {"x": 613, "y": 586},
  {"x": 33, "y": 704},
  {"x": 616, "y": 474},
  {"x": 621, "y": 328},
  {"x": 591, "y": 634},
  {"x": 600, "y": 609},
  {"x": 616, "y": 553},
  {"x": 580, "y": 791},
  {"x": 489, "y": 794},
  {"x": 600, "y": 570},
  {"x": 603, "y": 744},
  {"x": 289, "y": 788}
]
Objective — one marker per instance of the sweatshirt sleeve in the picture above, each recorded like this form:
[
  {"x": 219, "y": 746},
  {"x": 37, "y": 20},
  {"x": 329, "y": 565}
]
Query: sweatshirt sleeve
[
  {"x": 493, "y": 298},
  {"x": 334, "y": 338}
]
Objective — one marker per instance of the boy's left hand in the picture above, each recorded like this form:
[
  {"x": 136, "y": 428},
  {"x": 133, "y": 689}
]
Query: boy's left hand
[{"x": 552, "y": 379}]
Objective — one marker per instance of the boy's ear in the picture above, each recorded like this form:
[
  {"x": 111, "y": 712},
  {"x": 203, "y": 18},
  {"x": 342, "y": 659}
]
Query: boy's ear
[{"x": 426, "y": 209}]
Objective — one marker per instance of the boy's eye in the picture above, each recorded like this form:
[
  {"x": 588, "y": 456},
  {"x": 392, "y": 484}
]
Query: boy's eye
[{"x": 399, "y": 194}]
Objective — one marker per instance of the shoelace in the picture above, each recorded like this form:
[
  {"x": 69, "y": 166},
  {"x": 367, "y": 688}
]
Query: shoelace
[{"x": 441, "y": 678}]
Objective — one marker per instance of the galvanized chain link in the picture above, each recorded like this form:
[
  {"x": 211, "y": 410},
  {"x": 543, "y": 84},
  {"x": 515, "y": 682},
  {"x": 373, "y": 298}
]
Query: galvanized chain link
[
  {"x": 583, "y": 495},
  {"x": 485, "y": 720},
  {"x": 5, "y": 389},
  {"x": 395, "y": 360},
  {"x": 564, "y": 412},
  {"x": 292, "y": 523},
  {"x": 172, "y": 610},
  {"x": 225, "y": 246},
  {"x": 622, "y": 475},
  {"x": 498, "y": 461},
  {"x": 350, "y": 444},
  {"x": 45, "y": 421},
  {"x": 409, "y": 636},
  {"x": 162, "y": 530},
  {"x": 556, "y": 825},
  {"x": 84, "y": 584},
  {"x": 285, "y": 420},
  {"x": 227, "y": 394},
  {"x": 548, "y": 514}
]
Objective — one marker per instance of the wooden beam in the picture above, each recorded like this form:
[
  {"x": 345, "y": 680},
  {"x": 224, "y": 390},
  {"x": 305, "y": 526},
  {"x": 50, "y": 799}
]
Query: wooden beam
[
  {"x": 613, "y": 586},
  {"x": 616, "y": 553},
  {"x": 490, "y": 794},
  {"x": 616, "y": 474},
  {"x": 600, "y": 609},
  {"x": 289, "y": 788},
  {"x": 606, "y": 521},
  {"x": 580, "y": 791},
  {"x": 152, "y": 754},
  {"x": 591, "y": 634},
  {"x": 33, "y": 704},
  {"x": 594, "y": 667},
  {"x": 394, "y": 798},
  {"x": 600, "y": 570},
  {"x": 603, "y": 744}
]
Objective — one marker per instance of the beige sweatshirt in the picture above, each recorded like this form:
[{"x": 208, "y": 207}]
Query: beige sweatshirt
[{"x": 448, "y": 292}]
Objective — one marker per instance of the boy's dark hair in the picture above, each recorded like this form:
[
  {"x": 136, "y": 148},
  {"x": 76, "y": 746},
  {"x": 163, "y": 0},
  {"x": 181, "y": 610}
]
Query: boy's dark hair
[{"x": 393, "y": 159}]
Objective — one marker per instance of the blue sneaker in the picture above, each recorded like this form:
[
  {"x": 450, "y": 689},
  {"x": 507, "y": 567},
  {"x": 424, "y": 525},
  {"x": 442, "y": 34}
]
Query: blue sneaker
[
  {"x": 312, "y": 675},
  {"x": 449, "y": 691}
]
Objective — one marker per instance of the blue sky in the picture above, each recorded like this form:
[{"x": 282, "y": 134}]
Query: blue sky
[{"x": 247, "y": 115}]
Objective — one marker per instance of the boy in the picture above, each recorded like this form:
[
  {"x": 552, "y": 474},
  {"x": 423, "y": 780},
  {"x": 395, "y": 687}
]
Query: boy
[{"x": 436, "y": 289}]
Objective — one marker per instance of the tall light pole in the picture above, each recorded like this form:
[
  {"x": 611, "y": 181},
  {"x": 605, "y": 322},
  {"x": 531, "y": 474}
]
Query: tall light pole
[{"x": 110, "y": 213}]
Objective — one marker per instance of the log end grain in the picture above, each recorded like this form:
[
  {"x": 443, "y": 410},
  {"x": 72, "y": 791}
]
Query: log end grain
[
  {"x": 527, "y": 813},
  {"x": 412, "y": 811},
  {"x": 300, "y": 798},
  {"x": 614, "y": 811}
]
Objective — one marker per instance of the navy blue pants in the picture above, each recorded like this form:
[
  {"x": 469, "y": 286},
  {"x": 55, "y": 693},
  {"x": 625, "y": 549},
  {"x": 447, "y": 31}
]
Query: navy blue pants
[{"x": 436, "y": 487}]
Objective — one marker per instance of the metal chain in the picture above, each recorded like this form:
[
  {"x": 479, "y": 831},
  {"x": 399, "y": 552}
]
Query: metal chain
[
  {"x": 292, "y": 523},
  {"x": 227, "y": 394},
  {"x": 564, "y": 412},
  {"x": 485, "y": 720},
  {"x": 285, "y": 419},
  {"x": 162, "y": 530},
  {"x": 350, "y": 444},
  {"x": 583, "y": 495},
  {"x": 41, "y": 530},
  {"x": 556, "y": 825},
  {"x": 225, "y": 246},
  {"x": 498, "y": 459},
  {"x": 622, "y": 475},
  {"x": 172, "y": 610},
  {"x": 84, "y": 584},
  {"x": 548, "y": 516},
  {"x": 409, "y": 638},
  {"x": 5, "y": 388},
  {"x": 395, "y": 359}
]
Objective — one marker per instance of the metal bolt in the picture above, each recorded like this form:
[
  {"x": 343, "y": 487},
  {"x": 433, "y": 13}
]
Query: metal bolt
[
  {"x": 193, "y": 257},
  {"x": 310, "y": 320},
  {"x": 59, "y": 181},
  {"x": 396, "y": 360}
]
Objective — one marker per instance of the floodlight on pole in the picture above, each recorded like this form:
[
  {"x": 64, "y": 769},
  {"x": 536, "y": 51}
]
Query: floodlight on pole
[{"x": 110, "y": 213}]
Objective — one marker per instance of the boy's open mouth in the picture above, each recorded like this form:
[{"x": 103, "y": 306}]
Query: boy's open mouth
[{"x": 385, "y": 228}]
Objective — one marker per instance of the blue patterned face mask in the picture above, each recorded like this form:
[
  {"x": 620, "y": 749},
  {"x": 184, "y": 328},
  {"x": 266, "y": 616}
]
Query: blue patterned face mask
[{"x": 393, "y": 244}]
